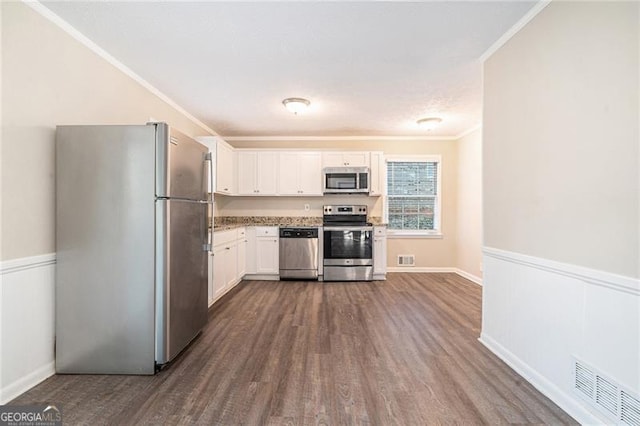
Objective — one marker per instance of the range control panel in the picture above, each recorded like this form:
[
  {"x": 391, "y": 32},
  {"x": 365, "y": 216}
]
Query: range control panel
[{"x": 345, "y": 210}]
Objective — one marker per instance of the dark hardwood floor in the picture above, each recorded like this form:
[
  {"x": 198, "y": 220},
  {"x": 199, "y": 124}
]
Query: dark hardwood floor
[{"x": 399, "y": 352}]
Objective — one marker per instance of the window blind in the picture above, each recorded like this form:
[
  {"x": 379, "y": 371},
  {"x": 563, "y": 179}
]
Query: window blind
[{"x": 412, "y": 191}]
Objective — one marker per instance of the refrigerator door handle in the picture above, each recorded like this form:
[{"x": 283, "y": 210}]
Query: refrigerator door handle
[{"x": 208, "y": 246}]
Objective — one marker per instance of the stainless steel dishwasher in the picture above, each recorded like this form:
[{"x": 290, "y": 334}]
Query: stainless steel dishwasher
[{"x": 299, "y": 253}]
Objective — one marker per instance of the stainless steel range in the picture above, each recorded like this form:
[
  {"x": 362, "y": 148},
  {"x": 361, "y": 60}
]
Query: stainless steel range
[{"x": 348, "y": 244}]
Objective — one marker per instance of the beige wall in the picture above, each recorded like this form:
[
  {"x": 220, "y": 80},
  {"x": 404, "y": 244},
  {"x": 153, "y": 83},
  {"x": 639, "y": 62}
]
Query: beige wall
[
  {"x": 428, "y": 252},
  {"x": 469, "y": 235},
  {"x": 48, "y": 78},
  {"x": 561, "y": 138}
]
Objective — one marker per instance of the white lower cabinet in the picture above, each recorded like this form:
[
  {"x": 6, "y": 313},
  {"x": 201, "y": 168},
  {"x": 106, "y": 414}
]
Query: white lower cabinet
[
  {"x": 242, "y": 255},
  {"x": 379, "y": 252},
  {"x": 262, "y": 252},
  {"x": 227, "y": 261}
]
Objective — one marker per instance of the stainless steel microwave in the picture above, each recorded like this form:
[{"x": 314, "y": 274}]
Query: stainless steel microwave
[{"x": 346, "y": 180}]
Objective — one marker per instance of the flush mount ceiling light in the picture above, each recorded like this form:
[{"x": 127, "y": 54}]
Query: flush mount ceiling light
[
  {"x": 296, "y": 105},
  {"x": 429, "y": 123}
]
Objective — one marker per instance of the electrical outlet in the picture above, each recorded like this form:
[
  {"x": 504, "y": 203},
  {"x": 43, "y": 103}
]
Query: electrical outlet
[{"x": 306, "y": 207}]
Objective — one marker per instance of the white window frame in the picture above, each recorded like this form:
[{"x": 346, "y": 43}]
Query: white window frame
[{"x": 415, "y": 233}]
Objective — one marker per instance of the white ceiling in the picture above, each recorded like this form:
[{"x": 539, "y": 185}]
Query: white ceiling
[{"x": 368, "y": 68}]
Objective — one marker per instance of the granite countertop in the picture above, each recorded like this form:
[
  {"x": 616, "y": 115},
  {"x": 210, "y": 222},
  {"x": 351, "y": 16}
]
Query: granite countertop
[{"x": 224, "y": 223}]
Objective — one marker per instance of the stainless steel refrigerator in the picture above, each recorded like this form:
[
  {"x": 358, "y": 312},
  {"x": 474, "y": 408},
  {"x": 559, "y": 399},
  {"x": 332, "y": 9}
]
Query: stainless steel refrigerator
[{"x": 131, "y": 246}]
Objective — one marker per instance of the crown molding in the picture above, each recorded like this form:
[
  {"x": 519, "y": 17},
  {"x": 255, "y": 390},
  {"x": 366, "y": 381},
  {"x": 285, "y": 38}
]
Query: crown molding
[
  {"x": 537, "y": 8},
  {"x": 468, "y": 132},
  {"x": 77, "y": 35},
  {"x": 351, "y": 138},
  {"x": 338, "y": 138}
]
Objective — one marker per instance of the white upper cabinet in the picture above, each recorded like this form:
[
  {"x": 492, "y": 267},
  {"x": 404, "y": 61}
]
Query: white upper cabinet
[
  {"x": 377, "y": 174},
  {"x": 300, "y": 173},
  {"x": 225, "y": 166},
  {"x": 345, "y": 159},
  {"x": 257, "y": 173}
]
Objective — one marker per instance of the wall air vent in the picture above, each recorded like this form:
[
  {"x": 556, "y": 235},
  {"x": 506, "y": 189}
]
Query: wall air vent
[
  {"x": 609, "y": 397},
  {"x": 584, "y": 379},
  {"x": 406, "y": 260},
  {"x": 629, "y": 409}
]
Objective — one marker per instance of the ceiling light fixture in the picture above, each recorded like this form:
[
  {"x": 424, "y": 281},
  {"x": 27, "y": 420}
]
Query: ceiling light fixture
[
  {"x": 296, "y": 105},
  {"x": 429, "y": 123}
]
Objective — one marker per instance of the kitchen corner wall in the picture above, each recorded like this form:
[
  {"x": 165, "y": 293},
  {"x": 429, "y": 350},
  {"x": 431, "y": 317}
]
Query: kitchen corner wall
[
  {"x": 469, "y": 207},
  {"x": 431, "y": 254},
  {"x": 561, "y": 146},
  {"x": 48, "y": 78}
]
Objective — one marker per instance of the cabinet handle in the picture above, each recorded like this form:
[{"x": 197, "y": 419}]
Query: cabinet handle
[{"x": 227, "y": 248}]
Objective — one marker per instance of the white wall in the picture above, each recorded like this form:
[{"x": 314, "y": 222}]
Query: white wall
[
  {"x": 27, "y": 323},
  {"x": 48, "y": 78},
  {"x": 561, "y": 192},
  {"x": 429, "y": 253}
]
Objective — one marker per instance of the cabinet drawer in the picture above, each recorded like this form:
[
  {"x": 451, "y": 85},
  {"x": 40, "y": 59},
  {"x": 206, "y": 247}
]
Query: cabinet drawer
[
  {"x": 266, "y": 231},
  {"x": 241, "y": 233},
  {"x": 224, "y": 237},
  {"x": 380, "y": 231}
]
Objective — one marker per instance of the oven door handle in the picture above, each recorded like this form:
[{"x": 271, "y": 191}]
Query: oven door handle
[{"x": 348, "y": 228}]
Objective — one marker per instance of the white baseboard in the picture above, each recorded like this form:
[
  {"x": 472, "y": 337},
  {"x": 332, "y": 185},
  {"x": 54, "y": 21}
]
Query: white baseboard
[
  {"x": 421, "y": 269},
  {"x": 261, "y": 277},
  {"x": 470, "y": 277},
  {"x": 567, "y": 402},
  {"x": 437, "y": 270},
  {"x": 22, "y": 385}
]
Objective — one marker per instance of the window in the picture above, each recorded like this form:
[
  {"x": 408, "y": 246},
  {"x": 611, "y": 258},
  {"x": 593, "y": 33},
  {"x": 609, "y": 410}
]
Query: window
[{"x": 413, "y": 196}]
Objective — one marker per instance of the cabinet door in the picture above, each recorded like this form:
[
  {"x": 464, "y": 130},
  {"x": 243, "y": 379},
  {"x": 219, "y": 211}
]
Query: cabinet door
[
  {"x": 247, "y": 168},
  {"x": 267, "y": 255},
  {"x": 219, "y": 270},
  {"x": 251, "y": 250},
  {"x": 267, "y": 173},
  {"x": 379, "y": 255},
  {"x": 378, "y": 174},
  {"x": 242, "y": 259},
  {"x": 332, "y": 159},
  {"x": 224, "y": 169},
  {"x": 356, "y": 159},
  {"x": 231, "y": 264},
  {"x": 288, "y": 174},
  {"x": 309, "y": 173}
]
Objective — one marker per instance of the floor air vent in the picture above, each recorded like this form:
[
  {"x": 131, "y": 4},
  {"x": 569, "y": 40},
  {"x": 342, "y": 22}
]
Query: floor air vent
[
  {"x": 406, "y": 260},
  {"x": 606, "y": 395}
]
